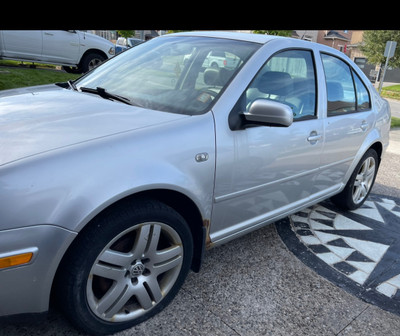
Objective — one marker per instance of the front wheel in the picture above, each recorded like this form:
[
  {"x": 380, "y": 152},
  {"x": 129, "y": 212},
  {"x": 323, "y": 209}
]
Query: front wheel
[
  {"x": 126, "y": 268},
  {"x": 360, "y": 183}
]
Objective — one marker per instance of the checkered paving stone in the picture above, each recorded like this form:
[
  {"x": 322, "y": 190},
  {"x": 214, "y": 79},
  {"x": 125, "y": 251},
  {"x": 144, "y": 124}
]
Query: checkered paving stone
[{"x": 357, "y": 250}]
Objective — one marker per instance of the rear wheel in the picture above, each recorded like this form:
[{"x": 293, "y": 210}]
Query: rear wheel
[
  {"x": 126, "y": 268},
  {"x": 360, "y": 183},
  {"x": 91, "y": 61}
]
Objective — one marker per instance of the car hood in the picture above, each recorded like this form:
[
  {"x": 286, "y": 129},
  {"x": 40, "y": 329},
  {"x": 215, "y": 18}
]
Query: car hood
[{"x": 40, "y": 119}]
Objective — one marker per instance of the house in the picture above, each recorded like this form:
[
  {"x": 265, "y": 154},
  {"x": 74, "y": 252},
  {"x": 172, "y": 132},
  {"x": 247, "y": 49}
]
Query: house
[
  {"x": 349, "y": 42},
  {"x": 338, "y": 39}
]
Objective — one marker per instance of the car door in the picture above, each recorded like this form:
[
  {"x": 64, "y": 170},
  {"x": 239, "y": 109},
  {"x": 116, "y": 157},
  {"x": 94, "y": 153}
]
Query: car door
[
  {"x": 348, "y": 119},
  {"x": 263, "y": 172},
  {"x": 22, "y": 44},
  {"x": 61, "y": 46}
]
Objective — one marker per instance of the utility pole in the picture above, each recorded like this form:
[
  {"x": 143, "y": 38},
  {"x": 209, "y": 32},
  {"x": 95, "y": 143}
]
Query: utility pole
[{"x": 389, "y": 52}]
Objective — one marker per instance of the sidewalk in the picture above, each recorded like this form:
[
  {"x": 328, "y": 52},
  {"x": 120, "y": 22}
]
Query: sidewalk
[{"x": 394, "y": 144}]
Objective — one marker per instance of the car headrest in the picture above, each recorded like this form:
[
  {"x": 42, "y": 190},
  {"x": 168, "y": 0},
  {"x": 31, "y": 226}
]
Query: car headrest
[{"x": 276, "y": 82}]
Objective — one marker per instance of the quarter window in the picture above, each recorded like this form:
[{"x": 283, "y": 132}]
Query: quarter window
[
  {"x": 346, "y": 92},
  {"x": 363, "y": 101}
]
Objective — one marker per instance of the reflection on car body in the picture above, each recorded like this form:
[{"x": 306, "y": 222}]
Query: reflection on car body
[{"x": 106, "y": 206}]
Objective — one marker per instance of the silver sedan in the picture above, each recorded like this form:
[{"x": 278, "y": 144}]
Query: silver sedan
[{"x": 113, "y": 186}]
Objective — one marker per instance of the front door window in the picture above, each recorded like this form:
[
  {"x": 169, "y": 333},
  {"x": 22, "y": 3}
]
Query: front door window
[{"x": 289, "y": 78}]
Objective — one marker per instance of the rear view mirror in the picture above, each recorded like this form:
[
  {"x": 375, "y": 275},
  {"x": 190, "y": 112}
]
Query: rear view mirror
[{"x": 268, "y": 113}]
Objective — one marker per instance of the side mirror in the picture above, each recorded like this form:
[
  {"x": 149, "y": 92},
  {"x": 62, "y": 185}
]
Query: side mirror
[{"x": 268, "y": 113}]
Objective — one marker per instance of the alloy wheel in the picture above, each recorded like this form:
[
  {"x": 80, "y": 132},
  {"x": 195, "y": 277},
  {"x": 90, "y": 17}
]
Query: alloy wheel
[
  {"x": 134, "y": 272},
  {"x": 364, "y": 180}
]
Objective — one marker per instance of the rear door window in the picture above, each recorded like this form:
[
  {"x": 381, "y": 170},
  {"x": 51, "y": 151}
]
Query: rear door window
[{"x": 345, "y": 91}]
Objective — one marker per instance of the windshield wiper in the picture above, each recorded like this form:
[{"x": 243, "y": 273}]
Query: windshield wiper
[{"x": 107, "y": 95}]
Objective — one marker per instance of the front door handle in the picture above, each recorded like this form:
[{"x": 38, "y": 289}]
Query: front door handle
[{"x": 314, "y": 137}]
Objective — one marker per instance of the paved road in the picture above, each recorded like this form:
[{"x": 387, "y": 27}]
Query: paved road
[
  {"x": 395, "y": 107},
  {"x": 394, "y": 104},
  {"x": 255, "y": 286}
]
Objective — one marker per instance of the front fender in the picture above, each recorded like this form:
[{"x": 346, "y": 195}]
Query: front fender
[
  {"x": 54, "y": 195},
  {"x": 71, "y": 186}
]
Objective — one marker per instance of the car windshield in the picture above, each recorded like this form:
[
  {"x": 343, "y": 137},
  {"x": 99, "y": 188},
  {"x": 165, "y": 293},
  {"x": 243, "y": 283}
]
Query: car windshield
[{"x": 178, "y": 74}]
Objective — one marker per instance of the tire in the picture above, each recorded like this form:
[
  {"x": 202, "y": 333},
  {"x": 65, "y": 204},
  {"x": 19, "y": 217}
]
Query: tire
[
  {"x": 125, "y": 268},
  {"x": 90, "y": 61},
  {"x": 360, "y": 183}
]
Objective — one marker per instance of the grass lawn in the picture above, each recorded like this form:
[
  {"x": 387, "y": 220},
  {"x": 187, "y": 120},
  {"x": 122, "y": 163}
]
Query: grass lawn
[
  {"x": 395, "y": 122},
  {"x": 391, "y": 92},
  {"x": 11, "y": 78},
  {"x": 15, "y": 76}
]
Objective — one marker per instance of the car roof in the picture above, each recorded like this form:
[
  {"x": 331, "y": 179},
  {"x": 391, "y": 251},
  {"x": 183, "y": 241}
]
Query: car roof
[
  {"x": 258, "y": 38},
  {"x": 263, "y": 39}
]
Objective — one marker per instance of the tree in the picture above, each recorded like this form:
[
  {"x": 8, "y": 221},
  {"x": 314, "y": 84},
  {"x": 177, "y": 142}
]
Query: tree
[
  {"x": 374, "y": 43},
  {"x": 176, "y": 31},
  {"x": 274, "y": 32},
  {"x": 126, "y": 33}
]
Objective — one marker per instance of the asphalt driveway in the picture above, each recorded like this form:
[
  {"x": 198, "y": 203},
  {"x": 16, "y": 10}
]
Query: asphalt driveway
[{"x": 267, "y": 284}]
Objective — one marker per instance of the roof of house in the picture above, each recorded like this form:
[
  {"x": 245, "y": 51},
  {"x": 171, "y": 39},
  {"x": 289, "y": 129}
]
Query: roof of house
[{"x": 332, "y": 34}]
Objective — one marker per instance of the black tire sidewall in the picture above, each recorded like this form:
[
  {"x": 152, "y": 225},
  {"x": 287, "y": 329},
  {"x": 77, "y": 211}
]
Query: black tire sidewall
[{"x": 90, "y": 245}]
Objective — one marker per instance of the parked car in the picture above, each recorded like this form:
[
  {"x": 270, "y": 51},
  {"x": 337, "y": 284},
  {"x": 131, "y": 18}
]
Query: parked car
[
  {"x": 113, "y": 186},
  {"x": 221, "y": 60},
  {"x": 75, "y": 50},
  {"x": 216, "y": 59},
  {"x": 125, "y": 43}
]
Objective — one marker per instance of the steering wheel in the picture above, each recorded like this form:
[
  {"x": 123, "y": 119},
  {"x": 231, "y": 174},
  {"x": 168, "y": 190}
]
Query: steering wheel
[{"x": 206, "y": 95}]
